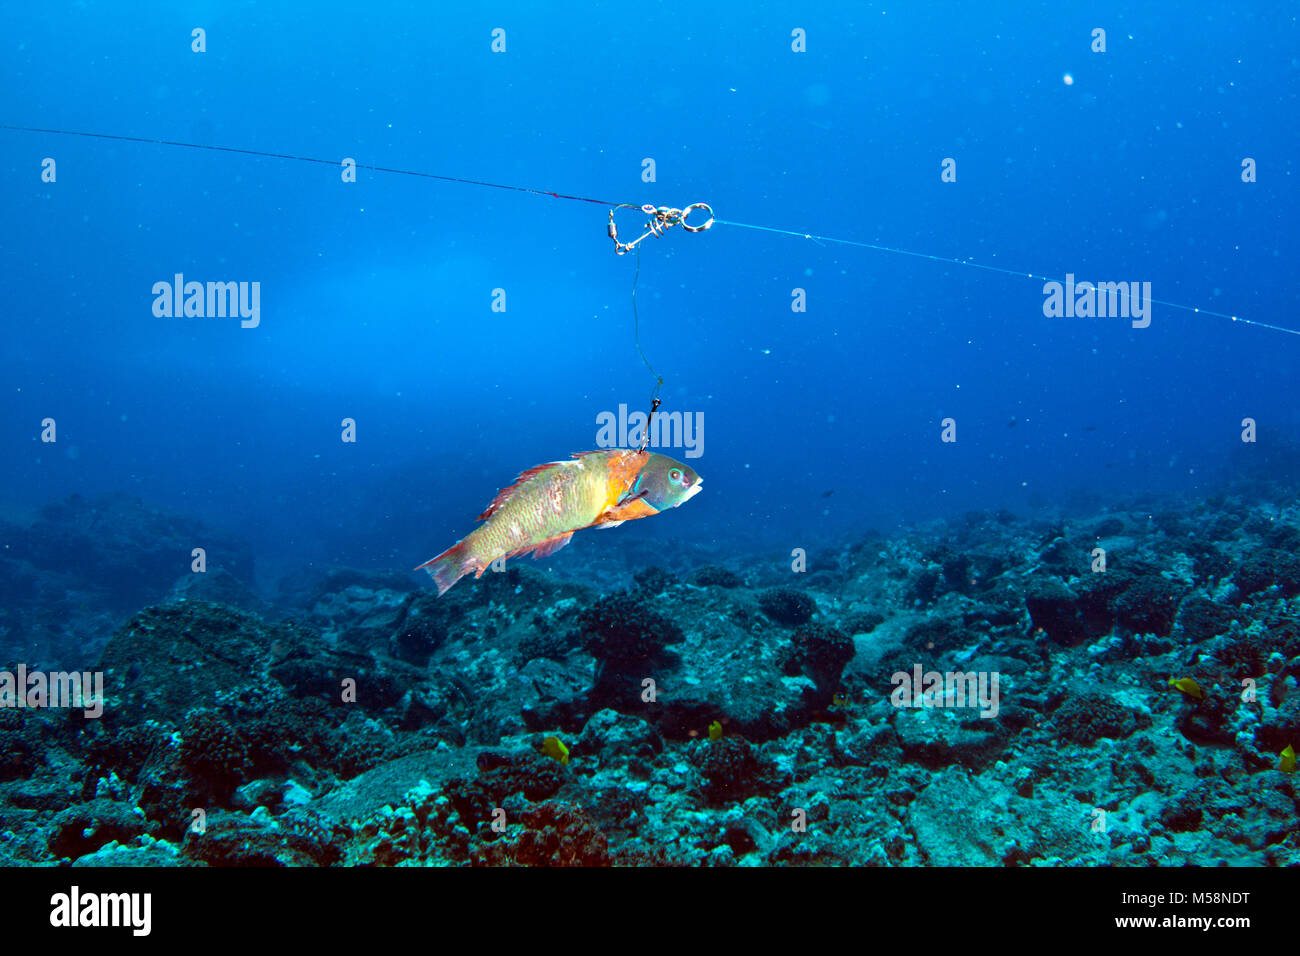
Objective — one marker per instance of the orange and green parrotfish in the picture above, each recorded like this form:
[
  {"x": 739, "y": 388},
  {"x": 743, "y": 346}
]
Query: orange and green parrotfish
[{"x": 546, "y": 504}]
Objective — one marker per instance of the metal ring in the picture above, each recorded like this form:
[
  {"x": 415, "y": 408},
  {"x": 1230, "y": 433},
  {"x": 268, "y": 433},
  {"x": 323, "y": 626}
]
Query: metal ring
[{"x": 687, "y": 211}]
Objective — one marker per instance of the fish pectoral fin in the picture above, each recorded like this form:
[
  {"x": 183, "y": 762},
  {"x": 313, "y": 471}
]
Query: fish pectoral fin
[
  {"x": 636, "y": 508},
  {"x": 610, "y": 524},
  {"x": 551, "y": 545},
  {"x": 628, "y": 498}
]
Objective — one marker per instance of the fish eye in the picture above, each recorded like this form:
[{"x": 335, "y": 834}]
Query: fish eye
[{"x": 675, "y": 474}]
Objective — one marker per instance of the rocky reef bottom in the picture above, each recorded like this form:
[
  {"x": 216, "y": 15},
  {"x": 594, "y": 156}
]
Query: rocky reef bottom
[{"x": 1116, "y": 688}]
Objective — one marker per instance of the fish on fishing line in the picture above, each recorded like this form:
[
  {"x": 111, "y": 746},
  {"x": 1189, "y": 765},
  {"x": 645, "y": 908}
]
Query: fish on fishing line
[{"x": 539, "y": 513}]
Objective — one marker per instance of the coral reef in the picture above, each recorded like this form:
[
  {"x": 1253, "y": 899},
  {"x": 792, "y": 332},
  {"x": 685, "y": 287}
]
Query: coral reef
[{"x": 708, "y": 717}]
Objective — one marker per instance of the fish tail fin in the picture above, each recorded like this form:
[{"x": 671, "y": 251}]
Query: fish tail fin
[{"x": 450, "y": 566}]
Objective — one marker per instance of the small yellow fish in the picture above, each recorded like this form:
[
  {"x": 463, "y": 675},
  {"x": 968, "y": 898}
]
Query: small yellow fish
[
  {"x": 715, "y": 731},
  {"x": 554, "y": 748},
  {"x": 841, "y": 702},
  {"x": 1287, "y": 763},
  {"x": 1188, "y": 687}
]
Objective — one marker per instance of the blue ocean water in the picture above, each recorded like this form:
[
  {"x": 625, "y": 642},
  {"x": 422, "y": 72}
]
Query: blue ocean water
[
  {"x": 377, "y": 296},
  {"x": 859, "y": 342}
]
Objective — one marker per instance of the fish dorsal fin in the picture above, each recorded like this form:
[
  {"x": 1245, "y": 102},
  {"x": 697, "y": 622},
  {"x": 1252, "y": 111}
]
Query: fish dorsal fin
[
  {"x": 504, "y": 494},
  {"x": 618, "y": 457}
]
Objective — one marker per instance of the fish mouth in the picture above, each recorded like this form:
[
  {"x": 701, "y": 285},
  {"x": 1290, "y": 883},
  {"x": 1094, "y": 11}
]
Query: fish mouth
[{"x": 691, "y": 493}]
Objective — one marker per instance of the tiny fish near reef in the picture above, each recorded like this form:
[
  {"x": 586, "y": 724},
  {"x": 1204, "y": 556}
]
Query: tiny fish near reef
[
  {"x": 546, "y": 504},
  {"x": 1188, "y": 686},
  {"x": 554, "y": 748}
]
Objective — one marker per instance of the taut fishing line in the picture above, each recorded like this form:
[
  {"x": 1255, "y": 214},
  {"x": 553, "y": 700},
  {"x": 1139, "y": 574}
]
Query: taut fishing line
[
  {"x": 663, "y": 218},
  {"x": 636, "y": 325}
]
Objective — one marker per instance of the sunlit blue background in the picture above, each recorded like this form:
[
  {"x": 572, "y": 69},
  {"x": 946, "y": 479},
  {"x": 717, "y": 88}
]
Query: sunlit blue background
[{"x": 376, "y": 296}]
